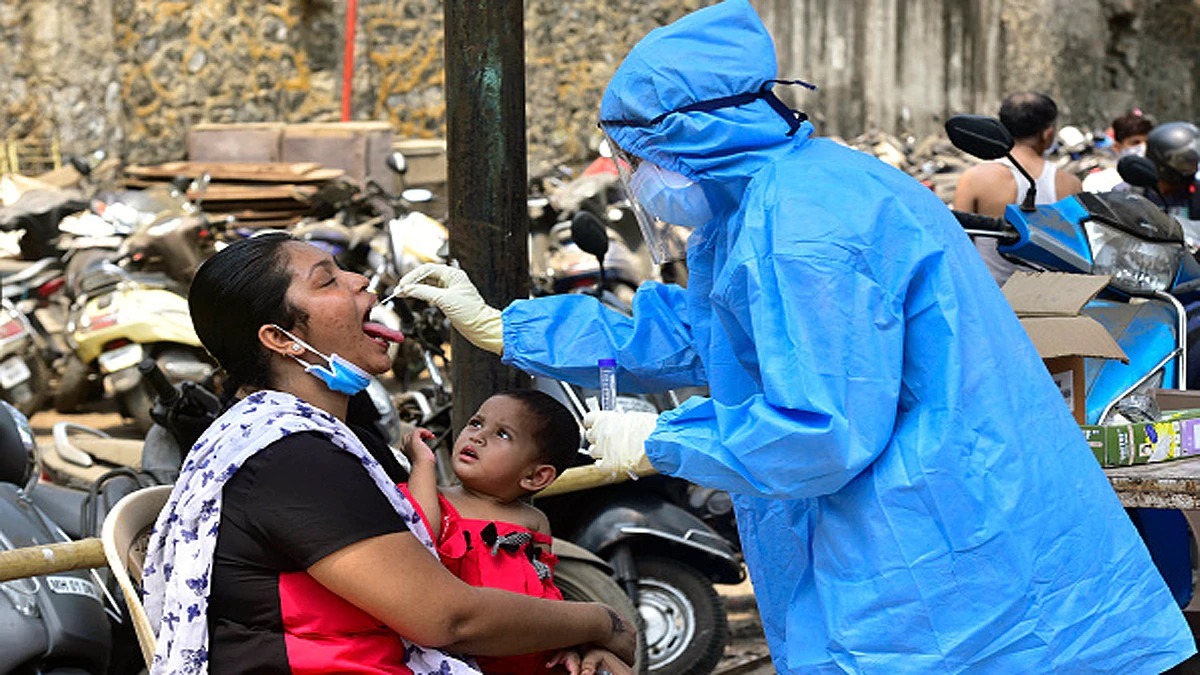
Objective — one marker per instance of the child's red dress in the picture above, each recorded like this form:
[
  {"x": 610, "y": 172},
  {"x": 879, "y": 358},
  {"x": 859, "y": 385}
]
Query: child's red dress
[{"x": 496, "y": 554}]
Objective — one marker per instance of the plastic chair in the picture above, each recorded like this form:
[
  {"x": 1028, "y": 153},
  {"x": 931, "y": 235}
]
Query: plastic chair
[{"x": 125, "y": 533}]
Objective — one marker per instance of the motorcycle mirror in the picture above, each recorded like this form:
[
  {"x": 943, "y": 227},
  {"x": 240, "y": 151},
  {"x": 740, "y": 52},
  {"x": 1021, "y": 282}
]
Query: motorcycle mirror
[
  {"x": 1138, "y": 171},
  {"x": 986, "y": 138},
  {"x": 417, "y": 195},
  {"x": 81, "y": 165},
  {"x": 396, "y": 162},
  {"x": 979, "y": 136},
  {"x": 590, "y": 234}
]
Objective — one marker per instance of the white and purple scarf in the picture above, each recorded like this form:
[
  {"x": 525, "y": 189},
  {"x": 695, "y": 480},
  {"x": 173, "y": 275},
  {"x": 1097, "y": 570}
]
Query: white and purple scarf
[{"x": 178, "y": 568}]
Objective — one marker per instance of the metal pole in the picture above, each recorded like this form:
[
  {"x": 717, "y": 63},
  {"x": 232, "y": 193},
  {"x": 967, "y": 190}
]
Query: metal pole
[
  {"x": 486, "y": 178},
  {"x": 348, "y": 60}
]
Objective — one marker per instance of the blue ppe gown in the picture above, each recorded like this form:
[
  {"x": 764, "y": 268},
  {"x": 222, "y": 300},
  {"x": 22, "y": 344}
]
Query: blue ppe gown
[{"x": 912, "y": 493}]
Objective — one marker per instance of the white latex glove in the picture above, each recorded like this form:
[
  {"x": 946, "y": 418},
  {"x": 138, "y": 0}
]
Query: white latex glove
[
  {"x": 459, "y": 300},
  {"x": 618, "y": 439}
]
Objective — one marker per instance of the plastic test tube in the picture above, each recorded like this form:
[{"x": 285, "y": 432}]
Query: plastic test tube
[{"x": 608, "y": 383}]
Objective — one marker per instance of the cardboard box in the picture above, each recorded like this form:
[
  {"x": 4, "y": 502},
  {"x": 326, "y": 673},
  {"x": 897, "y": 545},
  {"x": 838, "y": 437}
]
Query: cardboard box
[
  {"x": 1175, "y": 436},
  {"x": 1049, "y": 305}
]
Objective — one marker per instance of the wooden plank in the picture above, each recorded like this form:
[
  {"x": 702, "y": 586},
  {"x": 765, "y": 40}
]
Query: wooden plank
[
  {"x": 261, "y": 172},
  {"x": 220, "y": 192},
  {"x": 250, "y": 215}
]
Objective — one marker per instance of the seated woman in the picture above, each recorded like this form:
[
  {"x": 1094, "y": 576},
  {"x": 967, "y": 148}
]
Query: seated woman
[{"x": 285, "y": 545}]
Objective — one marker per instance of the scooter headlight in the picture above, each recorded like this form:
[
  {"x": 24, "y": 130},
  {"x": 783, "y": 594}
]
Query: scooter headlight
[{"x": 1135, "y": 265}]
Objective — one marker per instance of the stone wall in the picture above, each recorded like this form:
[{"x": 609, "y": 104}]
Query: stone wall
[{"x": 132, "y": 75}]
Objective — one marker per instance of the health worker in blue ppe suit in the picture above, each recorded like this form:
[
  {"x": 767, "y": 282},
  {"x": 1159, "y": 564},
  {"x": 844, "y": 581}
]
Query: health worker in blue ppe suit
[{"x": 912, "y": 493}]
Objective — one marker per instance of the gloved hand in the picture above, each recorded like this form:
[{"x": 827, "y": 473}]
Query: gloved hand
[
  {"x": 618, "y": 439},
  {"x": 459, "y": 300}
]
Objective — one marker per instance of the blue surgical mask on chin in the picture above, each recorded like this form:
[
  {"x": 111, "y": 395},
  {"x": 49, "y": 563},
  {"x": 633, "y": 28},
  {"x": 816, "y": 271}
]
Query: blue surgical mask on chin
[
  {"x": 341, "y": 375},
  {"x": 671, "y": 197}
]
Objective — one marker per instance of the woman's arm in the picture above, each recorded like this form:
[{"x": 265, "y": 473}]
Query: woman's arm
[
  {"x": 422, "y": 478},
  {"x": 425, "y": 603}
]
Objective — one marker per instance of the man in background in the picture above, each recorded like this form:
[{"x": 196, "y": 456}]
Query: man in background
[
  {"x": 988, "y": 188},
  {"x": 1129, "y": 138}
]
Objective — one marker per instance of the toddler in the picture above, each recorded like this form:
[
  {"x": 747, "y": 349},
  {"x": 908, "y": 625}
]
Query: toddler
[{"x": 486, "y": 533}]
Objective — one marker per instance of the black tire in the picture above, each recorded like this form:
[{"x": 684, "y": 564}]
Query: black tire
[
  {"x": 585, "y": 582},
  {"x": 685, "y": 624},
  {"x": 73, "y": 386},
  {"x": 39, "y": 381}
]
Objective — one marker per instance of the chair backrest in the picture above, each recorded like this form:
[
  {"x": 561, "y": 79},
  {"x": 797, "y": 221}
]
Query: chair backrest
[{"x": 125, "y": 533}]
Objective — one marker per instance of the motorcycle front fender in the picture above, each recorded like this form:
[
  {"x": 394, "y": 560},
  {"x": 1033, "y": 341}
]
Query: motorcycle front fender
[{"x": 649, "y": 522}]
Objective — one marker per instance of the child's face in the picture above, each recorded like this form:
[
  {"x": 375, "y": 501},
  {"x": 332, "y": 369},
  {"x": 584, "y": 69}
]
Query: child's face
[{"x": 496, "y": 451}]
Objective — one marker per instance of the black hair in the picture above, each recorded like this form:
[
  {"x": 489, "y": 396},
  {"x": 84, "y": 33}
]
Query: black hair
[
  {"x": 232, "y": 295},
  {"x": 555, "y": 430},
  {"x": 1028, "y": 113},
  {"x": 1133, "y": 123}
]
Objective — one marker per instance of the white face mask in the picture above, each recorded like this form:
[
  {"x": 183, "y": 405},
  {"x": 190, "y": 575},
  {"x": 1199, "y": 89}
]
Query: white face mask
[
  {"x": 670, "y": 197},
  {"x": 1139, "y": 150}
]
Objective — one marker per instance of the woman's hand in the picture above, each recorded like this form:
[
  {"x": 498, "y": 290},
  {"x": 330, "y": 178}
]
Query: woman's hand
[
  {"x": 592, "y": 662},
  {"x": 622, "y": 642}
]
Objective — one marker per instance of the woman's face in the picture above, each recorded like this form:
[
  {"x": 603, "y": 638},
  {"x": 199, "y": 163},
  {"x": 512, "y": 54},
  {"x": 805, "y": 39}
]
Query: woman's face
[{"x": 337, "y": 304}]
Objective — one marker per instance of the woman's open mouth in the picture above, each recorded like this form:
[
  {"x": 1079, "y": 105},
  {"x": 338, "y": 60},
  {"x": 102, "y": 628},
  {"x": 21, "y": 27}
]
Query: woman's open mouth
[{"x": 379, "y": 332}]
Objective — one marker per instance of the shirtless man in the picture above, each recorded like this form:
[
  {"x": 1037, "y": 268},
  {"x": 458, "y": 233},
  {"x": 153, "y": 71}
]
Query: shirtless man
[{"x": 989, "y": 187}]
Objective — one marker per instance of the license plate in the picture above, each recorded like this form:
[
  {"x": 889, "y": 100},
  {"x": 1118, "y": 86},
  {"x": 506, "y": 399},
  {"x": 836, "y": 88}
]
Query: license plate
[
  {"x": 73, "y": 586},
  {"x": 13, "y": 371}
]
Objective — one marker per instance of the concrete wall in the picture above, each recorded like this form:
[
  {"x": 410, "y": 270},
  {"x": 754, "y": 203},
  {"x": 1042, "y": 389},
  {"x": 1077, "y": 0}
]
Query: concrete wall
[{"x": 133, "y": 75}]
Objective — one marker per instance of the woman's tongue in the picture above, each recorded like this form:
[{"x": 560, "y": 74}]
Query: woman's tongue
[{"x": 382, "y": 332}]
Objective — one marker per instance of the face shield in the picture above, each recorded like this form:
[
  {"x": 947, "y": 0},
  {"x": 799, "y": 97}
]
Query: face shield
[
  {"x": 668, "y": 205},
  {"x": 658, "y": 197}
]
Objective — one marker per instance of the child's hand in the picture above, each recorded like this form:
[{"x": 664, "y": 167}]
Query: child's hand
[{"x": 415, "y": 448}]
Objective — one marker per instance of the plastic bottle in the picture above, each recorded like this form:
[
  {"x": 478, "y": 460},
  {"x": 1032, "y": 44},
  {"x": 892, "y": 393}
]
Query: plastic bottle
[{"x": 608, "y": 383}]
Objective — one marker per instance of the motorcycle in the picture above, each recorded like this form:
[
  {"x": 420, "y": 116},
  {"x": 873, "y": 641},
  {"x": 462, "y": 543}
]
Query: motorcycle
[
  {"x": 1153, "y": 279},
  {"x": 25, "y": 376},
  {"x": 65, "y": 621},
  {"x": 134, "y": 305}
]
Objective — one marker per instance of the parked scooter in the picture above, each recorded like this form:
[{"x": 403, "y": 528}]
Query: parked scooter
[
  {"x": 134, "y": 306},
  {"x": 55, "y": 623},
  {"x": 1153, "y": 277},
  {"x": 24, "y": 373}
]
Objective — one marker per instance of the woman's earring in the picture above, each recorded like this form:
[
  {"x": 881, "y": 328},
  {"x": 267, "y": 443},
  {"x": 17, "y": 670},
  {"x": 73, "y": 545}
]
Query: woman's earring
[{"x": 296, "y": 347}]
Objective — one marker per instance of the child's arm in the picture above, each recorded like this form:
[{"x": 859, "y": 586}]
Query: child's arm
[{"x": 422, "y": 478}]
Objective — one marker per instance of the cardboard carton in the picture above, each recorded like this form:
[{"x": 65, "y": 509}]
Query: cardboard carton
[
  {"x": 1048, "y": 305},
  {"x": 1175, "y": 436}
]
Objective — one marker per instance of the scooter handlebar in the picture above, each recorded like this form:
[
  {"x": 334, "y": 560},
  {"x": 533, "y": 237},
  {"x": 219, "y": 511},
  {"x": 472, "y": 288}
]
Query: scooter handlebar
[
  {"x": 999, "y": 228},
  {"x": 152, "y": 374}
]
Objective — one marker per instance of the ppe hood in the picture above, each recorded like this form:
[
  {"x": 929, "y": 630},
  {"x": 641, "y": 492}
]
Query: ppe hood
[{"x": 717, "y": 52}]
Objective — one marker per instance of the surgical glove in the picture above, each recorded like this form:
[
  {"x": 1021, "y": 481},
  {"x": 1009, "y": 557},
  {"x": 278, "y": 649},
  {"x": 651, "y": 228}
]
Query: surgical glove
[
  {"x": 459, "y": 300},
  {"x": 618, "y": 439}
]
